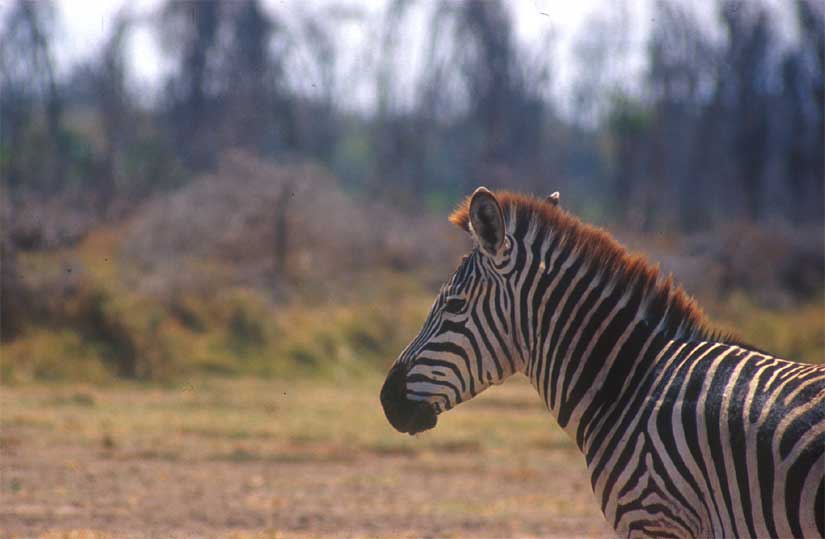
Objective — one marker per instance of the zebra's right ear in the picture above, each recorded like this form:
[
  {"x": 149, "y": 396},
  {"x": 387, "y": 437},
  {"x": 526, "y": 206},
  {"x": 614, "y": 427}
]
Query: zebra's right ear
[{"x": 486, "y": 221}]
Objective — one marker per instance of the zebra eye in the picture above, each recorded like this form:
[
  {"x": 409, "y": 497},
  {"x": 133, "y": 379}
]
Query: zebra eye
[{"x": 454, "y": 305}]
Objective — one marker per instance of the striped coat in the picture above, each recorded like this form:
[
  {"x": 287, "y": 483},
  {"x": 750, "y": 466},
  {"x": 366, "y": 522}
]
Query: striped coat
[{"x": 686, "y": 431}]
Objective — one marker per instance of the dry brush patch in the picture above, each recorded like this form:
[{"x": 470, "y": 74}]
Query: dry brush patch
[
  {"x": 192, "y": 282},
  {"x": 289, "y": 229}
]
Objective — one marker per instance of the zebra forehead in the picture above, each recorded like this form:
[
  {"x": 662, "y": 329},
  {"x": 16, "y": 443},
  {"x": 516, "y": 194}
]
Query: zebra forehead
[{"x": 524, "y": 213}]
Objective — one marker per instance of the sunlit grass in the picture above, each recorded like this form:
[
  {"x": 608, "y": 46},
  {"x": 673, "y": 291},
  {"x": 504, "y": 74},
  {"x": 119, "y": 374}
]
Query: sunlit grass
[{"x": 277, "y": 420}]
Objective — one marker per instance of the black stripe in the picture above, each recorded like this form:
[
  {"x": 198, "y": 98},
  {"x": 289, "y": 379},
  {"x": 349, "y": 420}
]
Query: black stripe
[
  {"x": 554, "y": 352},
  {"x": 588, "y": 303},
  {"x": 491, "y": 326},
  {"x": 608, "y": 395},
  {"x": 454, "y": 349},
  {"x": 606, "y": 408},
  {"x": 800, "y": 425},
  {"x": 446, "y": 364},
  {"x": 528, "y": 285},
  {"x": 715, "y": 392},
  {"x": 797, "y": 473},
  {"x": 623, "y": 413},
  {"x": 415, "y": 377},
  {"x": 695, "y": 387},
  {"x": 642, "y": 403},
  {"x": 427, "y": 394},
  {"x": 596, "y": 363},
  {"x": 737, "y": 428},
  {"x": 765, "y": 467}
]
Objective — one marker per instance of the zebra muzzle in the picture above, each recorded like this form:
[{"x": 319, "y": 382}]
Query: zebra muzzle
[{"x": 405, "y": 415}]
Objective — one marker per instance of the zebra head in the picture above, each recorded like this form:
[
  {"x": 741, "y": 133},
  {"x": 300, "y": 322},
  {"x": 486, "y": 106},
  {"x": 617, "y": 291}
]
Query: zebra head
[{"x": 466, "y": 343}]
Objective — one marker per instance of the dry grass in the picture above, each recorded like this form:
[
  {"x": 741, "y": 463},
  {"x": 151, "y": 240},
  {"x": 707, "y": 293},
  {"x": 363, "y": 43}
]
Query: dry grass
[
  {"x": 246, "y": 458},
  {"x": 795, "y": 332},
  {"x": 92, "y": 326}
]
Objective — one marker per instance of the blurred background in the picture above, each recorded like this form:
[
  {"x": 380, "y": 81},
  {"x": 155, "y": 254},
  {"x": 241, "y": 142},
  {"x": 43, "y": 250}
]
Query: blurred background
[{"x": 222, "y": 220}]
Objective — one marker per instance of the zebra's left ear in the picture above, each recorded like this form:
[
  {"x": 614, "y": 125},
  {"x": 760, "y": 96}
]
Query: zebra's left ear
[
  {"x": 487, "y": 221},
  {"x": 553, "y": 199}
]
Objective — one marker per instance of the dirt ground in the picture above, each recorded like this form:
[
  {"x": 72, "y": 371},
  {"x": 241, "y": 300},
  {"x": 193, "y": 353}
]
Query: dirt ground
[{"x": 253, "y": 459}]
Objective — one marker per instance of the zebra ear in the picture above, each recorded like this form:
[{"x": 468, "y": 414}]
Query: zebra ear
[
  {"x": 553, "y": 199},
  {"x": 486, "y": 221}
]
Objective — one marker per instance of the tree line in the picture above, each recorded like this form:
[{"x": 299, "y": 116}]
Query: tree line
[{"x": 720, "y": 125}]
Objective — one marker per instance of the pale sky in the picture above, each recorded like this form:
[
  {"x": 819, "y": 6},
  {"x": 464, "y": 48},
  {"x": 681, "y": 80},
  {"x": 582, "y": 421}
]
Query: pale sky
[
  {"x": 86, "y": 21},
  {"x": 85, "y": 24}
]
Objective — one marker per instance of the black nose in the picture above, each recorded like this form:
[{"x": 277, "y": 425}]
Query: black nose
[{"x": 404, "y": 415}]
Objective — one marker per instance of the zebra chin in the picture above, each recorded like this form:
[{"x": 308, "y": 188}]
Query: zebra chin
[{"x": 404, "y": 414}]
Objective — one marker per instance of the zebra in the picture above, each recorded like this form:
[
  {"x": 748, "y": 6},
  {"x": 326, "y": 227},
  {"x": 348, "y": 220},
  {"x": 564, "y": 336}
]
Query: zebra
[{"x": 685, "y": 431}]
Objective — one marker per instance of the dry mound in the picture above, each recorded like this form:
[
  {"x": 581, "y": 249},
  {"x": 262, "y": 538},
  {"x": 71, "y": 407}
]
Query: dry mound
[{"x": 276, "y": 227}]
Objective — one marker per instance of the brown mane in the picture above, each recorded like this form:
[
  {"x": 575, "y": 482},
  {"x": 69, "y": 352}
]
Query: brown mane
[{"x": 683, "y": 315}]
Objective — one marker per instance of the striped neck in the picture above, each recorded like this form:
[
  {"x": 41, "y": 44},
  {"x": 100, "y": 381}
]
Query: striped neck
[
  {"x": 589, "y": 326},
  {"x": 588, "y": 315}
]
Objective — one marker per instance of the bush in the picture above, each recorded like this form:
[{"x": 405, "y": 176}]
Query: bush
[{"x": 54, "y": 356}]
